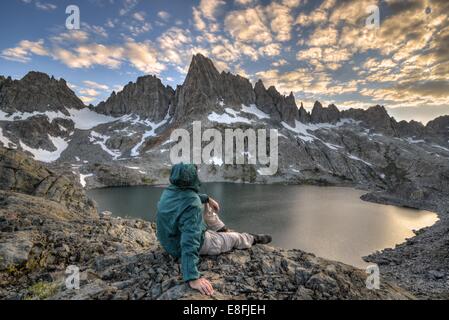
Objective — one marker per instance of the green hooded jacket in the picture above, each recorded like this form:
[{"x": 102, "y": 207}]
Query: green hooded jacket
[{"x": 180, "y": 224}]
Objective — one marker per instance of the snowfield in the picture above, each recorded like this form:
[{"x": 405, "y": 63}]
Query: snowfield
[
  {"x": 6, "y": 142},
  {"x": 83, "y": 178},
  {"x": 97, "y": 138},
  {"x": 230, "y": 116},
  {"x": 150, "y": 133},
  {"x": 45, "y": 155},
  {"x": 84, "y": 119}
]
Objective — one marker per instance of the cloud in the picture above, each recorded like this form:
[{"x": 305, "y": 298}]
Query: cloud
[
  {"x": 143, "y": 56},
  {"x": 279, "y": 63},
  {"x": 139, "y": 16},
  {"x": 89, "y": 92},
  {"x": 262, "y": 23},
  {"x": 243, "y": 2},
  {"x": 198, "y": 20},
  {"x": 281, "y": 20},
  {"x": 71, "y": 36},
  {"x": 86, "y": 56},
  {"x": 210, "y": 8},
  {"x": 96, "y": 85},
  {"x": 323, "y": 37},
  {"x": 137, "y": 28},
  {"x": 87, "y": 99},
  {"x": 176, "y": 44},
  {"x": 128, "y": 6},
  {"x": 164, "y": 15},
  {"x": 436, "y": 89},
  {"x": 291, "y": 3},
  {"x": 24, "y": 50},
  {"x": 271, "y": 50},
  {"x": 327, "y": 57},
  {"x": 45, "y": 6},
  {"x": 248, "y": 26}
]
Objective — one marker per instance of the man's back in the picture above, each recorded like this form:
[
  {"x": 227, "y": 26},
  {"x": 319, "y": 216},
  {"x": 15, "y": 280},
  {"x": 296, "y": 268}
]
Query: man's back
[
  {"x": 174, "y": 206},
  {"x": 180, "y": 225}
]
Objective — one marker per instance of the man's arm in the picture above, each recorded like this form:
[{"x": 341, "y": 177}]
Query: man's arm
[
  {"x": 206, "y": 199},
  {"x": 212, "y": 220},
  {"x": 190, "y": 225},
  {"x": 203, "y": 197},
  {"x": 191, "y": 232}
]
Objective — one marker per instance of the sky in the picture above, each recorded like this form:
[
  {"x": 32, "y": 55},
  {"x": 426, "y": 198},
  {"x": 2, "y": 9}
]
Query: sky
[{"x": 327, "y": 50}]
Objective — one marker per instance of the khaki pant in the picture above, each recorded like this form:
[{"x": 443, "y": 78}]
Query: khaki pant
[{"x": 215, "y": 242}]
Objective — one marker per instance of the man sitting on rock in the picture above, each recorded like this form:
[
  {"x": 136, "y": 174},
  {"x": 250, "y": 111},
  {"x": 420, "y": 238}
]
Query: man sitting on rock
[{"x": 187, "y": 230}]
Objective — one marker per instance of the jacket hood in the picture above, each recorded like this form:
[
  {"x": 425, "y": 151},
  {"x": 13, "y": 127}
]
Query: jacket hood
[{"x": 185, "y": 176}]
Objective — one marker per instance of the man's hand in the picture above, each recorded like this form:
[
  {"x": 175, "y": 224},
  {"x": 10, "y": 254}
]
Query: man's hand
[
  {"x": 202, "y": 285},
  {"x": 214, "y": 204}
]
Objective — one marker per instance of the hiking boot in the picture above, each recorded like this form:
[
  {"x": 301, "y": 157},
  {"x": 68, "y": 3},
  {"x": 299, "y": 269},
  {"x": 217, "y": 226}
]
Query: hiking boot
[{"x": 261, "y": 238}]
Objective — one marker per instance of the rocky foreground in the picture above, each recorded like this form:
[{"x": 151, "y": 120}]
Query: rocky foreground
[{"x": 47, "y": 224}]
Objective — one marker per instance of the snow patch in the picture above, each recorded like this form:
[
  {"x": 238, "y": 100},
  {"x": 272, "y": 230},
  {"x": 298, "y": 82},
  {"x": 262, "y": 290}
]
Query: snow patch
[
  {"x": 302, "y": 130},
  {"x": 97, "y": 138},
  {"x": 51, "y": 115},
  {"x": 148, "y": 133},
  {"x": 6, "y": 142},
  {"x": 216, "y": 161},
  {"x": 411, "y": 140},
  {"x": 440, "y": 147},
  {"x": 252, "y": 109},
  {"x": 230, "y": 116},
  {"x": 332, "y": 146},
  {"x": 358, "y": 159},
  {"x": 83, "y": 178},
  {"x": 84, "y": 119},
  {"x": 45, "y": 155}
]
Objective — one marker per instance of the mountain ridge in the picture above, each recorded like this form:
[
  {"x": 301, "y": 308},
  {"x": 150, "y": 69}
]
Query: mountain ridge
[{"x": 203, "y": 87}]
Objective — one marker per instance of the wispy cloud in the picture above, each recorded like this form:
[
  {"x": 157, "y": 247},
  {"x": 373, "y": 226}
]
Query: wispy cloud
[
  {"x": 45, "y": 6},
  {"x": 24, "y": 50}
]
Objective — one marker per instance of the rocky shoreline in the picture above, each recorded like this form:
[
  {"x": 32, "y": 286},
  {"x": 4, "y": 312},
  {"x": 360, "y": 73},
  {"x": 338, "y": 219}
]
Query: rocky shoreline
[
  {"x": 126, "y": 141},
  {"x": 41, "y": 236},
  {"x": 421, "y": 263},
  {"x": 44, "y": 230}
]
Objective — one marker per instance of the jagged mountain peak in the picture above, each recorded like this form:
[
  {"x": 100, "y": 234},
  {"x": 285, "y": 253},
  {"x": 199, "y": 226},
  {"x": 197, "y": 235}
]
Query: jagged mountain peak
[
  {"x": 320, "y": 114},
  {"x": 37, "y": 92},
  {"x": 36, "y": 76},
  {"x": 317, "y": 104},
  {"x": 201, "y": 68},
  {"x": 147, "y": 98}
]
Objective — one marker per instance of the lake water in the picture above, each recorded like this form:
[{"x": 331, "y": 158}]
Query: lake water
[{"x": 330, "y": 222}]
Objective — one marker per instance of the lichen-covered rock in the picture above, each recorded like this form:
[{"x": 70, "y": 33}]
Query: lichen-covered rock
[{"x": 22, "y": 174}]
